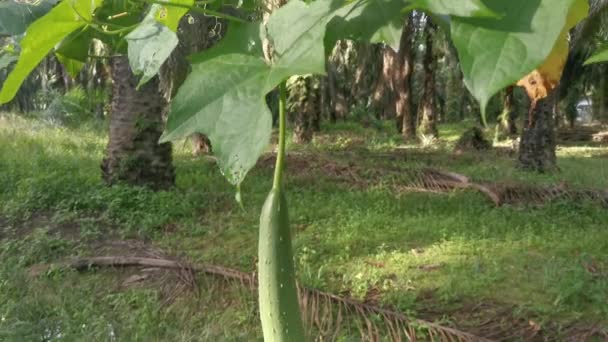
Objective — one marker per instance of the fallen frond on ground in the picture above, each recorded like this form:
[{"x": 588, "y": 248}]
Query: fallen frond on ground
[
  {"x": 425, "y": 179},
  {"x": 325, "y": 314}
]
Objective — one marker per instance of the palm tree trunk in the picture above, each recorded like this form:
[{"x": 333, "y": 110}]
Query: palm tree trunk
[
  {"x": 426, "y": 109},
  {"x": 339, "y": 100},
  {"x": 303, "y": 106},
  {"x": 537, "y": 145},
  {"x": 383, "y": 96},
  {"x": 324, "y": 103},
  {"x": 403, "y": 96},
  {"x": 133, "y": 154},
  {"x": 197, "y": 32}
]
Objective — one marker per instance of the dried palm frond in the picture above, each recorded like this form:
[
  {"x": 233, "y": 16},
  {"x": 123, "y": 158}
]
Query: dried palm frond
[
  {"x": 426, "y": 179},
  {"x": 325, "y": 314}
]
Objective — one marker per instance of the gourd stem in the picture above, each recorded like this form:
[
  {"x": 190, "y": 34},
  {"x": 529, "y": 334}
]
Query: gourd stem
[{"x": 280, "y": 164}]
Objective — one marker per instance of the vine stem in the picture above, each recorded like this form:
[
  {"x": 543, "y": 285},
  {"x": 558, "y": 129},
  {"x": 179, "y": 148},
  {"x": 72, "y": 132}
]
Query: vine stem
[
  {"x": 194, "y": 9},
  {"x": 280, "y": 164}
]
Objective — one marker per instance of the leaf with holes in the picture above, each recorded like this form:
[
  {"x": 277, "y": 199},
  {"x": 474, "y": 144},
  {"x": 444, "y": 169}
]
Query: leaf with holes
[{"x": 150, "y": 44}]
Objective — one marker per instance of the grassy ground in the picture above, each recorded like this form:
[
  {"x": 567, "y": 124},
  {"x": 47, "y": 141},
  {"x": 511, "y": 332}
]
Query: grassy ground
[{"x": 444, "y": 257}]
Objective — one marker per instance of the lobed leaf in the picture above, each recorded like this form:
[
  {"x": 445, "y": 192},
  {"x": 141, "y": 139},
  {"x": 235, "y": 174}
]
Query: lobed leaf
[
  {"x": 542, "y": 80},
  {"x": 381, "y": 21},
  {"x": 298, "y": 40},
  {"x": 224, "y": 95},
  {"x": 224, "y": 98},
  {"x": 497, "y": 52},
  {"x": 154, "y": 39}
]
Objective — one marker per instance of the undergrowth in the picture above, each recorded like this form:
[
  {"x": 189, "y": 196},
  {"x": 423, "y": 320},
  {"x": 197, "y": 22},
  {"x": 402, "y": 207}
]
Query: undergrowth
[{"x": 420, "y": 253}]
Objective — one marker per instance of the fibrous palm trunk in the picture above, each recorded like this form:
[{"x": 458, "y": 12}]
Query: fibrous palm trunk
[
  {"x": 455, "y": 91},
  {"x": 133, "y": 154},
  {"x": 537, "y": 145},
  {"x": 426, "y": 109},
  {"x": 324, "y": 103},
  {"x": 365, "y": 74},
  {"x": 339, "y": 78},
  {"x": 383, "y": 97},
  {"x": 403, "y": 96},
  {"x": 303, "y": 106},
  {"x": 392, "y": 96}
]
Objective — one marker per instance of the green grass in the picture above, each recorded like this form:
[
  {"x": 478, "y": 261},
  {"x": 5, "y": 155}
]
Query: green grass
[{"x": 423, "y": 252}]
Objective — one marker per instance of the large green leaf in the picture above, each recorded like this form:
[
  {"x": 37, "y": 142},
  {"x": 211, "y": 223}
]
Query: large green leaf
[
  {"x": 224, "y": 95},
  {"x": 150, "y": 44},
  {"x": 15, "y": 16},
  {"x": 298, "y": 39},
  {"x": 224, "y": 98},
  {"x": 599, "y": 57},
  {"x": 73, "y": 51},
  {"x": 302, "y": 41},
  {"x": 457, "y": 8},
  {"x": 376, "y": 21},
  {"x": 153, "y": 41},
  {"x": 42, "y": 36},
  {"x": 381, "y": 21},
  {"x": 497, "y": 52}
]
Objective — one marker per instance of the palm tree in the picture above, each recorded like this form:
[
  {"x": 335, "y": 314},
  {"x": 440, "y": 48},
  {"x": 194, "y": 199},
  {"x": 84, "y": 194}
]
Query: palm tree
[
  {"x": 537, "y": 146},
  {"x": 427, "y": 115},
  {"x": 133, "y": 154}
]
